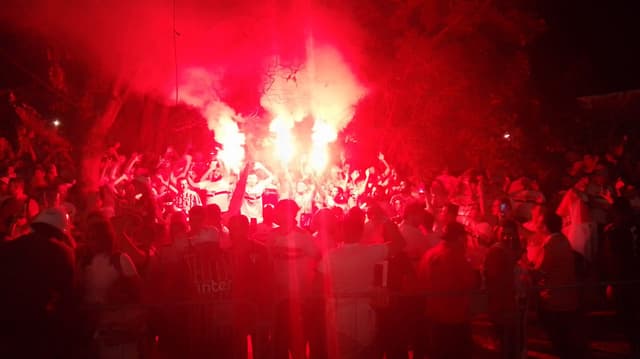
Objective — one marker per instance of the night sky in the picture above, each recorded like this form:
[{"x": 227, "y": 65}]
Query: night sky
[{"x": 589, "y": 48}]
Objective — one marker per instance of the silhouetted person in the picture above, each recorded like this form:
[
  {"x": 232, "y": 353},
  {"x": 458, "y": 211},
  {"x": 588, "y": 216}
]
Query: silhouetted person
[
  {"x": 448, "y": 280},
  {"x": 37, "y": 276},
  {"x": 556, "y": 269},
  {"x": 622, "y": 263},
  {"x": 252, "y": 292}
]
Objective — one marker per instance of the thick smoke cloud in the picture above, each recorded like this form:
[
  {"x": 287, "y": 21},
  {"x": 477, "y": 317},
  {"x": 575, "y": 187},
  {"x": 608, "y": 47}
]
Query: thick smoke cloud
[
  {"x": 231, "y": 55},
  {"x": 134, "y": 39}
]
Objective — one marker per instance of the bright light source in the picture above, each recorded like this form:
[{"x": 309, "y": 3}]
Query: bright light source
[
  {"x": 506, "y": 136},
  {"x": 56, "y": 122}
]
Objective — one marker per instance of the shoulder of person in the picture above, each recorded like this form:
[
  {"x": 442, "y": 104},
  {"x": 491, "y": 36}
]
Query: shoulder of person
[{"x": 610, "y": 228}]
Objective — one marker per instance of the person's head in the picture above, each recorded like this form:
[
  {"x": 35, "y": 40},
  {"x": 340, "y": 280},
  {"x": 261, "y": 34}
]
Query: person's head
[
  {"x": 217, "y": 174},
  {"x": 178, "y": 225},
  {"x": 508, "y": 234},
  {"x": 353, "y": 225},
  {"x": 238, "y": 228},
  {"x": 324, "y": 221},
  {"x": 501, "y": 207},
  {"x": 374, "y": 211},
  {"x": 552, "y": 222},
  {"x": 600, "y": 176},
  {"x": 39, "y": 173},
  {"x": 16, "y": 187},
  {"x": 4, "y": 186},
  {"x": 285, "y": 213},
  {"x": 455, "y": 235},
  {"x": 252, "y": 180},
  {"x": 213, "y": 215},
  {"x": 197, "y": 218},
  {"x": 414, "y": 214},
  {"x": 100, "y": 233},
  {"x": 52, "y": 171},
  {"x": 268, "y": 214},
  {"x": 449, "y": 213},
  {"x": 301, "y": 187},
  {"x": 52, "y": 222},
  {"x": 581, "y": 184},
  {"x": 589, "y": 161},
  {"x": 183, "y": 184}
]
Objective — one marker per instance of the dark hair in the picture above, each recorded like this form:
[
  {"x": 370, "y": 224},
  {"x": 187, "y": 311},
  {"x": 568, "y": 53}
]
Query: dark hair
[
  {"x": 514, "y": 240},
  {"x": 268, "y": 213},
  {"x": 353, "y": 225},
  {"x": 100, "y": 233},
  {"x": 413, "y": 209},
  {"x": 17, "y": 181},
  {"x": 452, "y": 209},
  {"x": 552, "y": 221},
  {"x": 453, "y": 232},
  {"x": 197, "y": 216},
  {"x": 427, "y": 220},
  {"x": 239, "y": 226},
  {"x": 48, "y": 231}
]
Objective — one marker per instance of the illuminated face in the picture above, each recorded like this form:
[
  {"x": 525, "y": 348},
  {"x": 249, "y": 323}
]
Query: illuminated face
[
  {"x": 183, "y": 185},
  {"x": 397, "y": 205},
  {"x": 252, "y": 180},
  {"x": 16, "y": 189},
  {"x": 301, "y": 187},
  {"x": 53, "y": 171}
]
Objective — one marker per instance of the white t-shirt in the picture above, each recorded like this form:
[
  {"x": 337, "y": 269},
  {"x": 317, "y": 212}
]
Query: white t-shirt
[
  {"x": 351, "y": 267},
  {"x": 417, "y": 243},
  {"x": 252, "y": 202},
  {"x": 218, "y": 192},
  {"x": 100, "y": 275}
]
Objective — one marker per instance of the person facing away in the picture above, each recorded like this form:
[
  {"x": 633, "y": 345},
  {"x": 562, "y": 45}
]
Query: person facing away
[
  {"x": 37, "y": 274},
  {"x": 501, "y": 276},
  {"x": 448, "y": 279},
  {"x": 251, "y": 290},
  {"x": 350, "y": 270},
  {"x": 622, "y": 263},
  {"x": 555, "y": 269},
  {"x": 295, "y": 256}
]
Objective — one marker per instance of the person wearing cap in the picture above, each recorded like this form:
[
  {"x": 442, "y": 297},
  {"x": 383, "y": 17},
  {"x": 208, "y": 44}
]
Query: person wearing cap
[
  {"x": 448, "y": 280},
  {"x": 37, "y": 277},
  {"x": 295, "y": 256}
]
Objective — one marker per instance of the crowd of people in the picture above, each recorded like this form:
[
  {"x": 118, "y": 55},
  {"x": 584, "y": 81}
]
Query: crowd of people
[{"x": 181, "y": 256}]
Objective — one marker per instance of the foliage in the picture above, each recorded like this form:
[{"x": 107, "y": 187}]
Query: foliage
[{"x": 453, "y": 78}]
